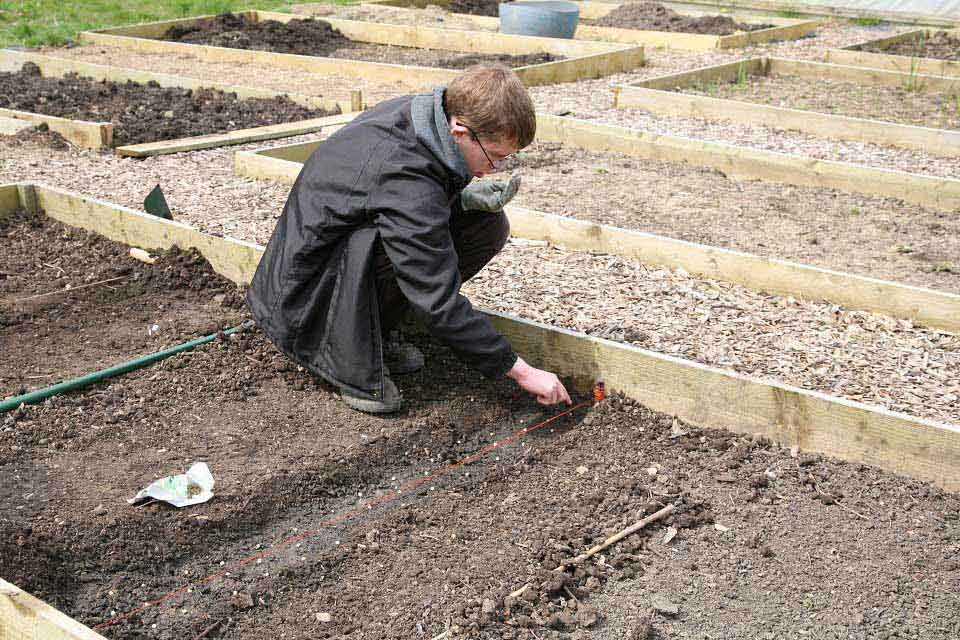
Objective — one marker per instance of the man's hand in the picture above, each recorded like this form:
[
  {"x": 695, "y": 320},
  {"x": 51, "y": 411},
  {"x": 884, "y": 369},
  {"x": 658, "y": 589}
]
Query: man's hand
[
  {"x": 489, "y": 195},
  {"x": 543, "y": 384}
]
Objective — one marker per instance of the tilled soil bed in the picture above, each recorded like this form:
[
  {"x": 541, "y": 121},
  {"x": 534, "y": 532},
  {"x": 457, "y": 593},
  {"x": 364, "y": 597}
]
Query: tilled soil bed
[
  {"x": 144, "y": 112},
  {"x": 940, "y": 45},
  {"x": 653, "y": 16},
  {"x": 763, "y": 542},
  {"x": 317, "y": 38},
  {"x": 72, "y": 302},
  {"x": 903, "y": 105}
]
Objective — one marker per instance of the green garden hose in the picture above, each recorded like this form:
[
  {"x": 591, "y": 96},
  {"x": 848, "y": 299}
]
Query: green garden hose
[{"x": 40, "y": 395}]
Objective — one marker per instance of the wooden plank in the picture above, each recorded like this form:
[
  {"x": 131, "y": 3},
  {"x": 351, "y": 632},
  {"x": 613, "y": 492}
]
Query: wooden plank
[
  {"x": 235, "y": 259},
  {"x": 864, "y": 75},
  {"x": 584, "y": 59},
  {"x": 892, "y": 62},
  {"x": 13, "y": 126},
  {"x": 805, "y": 9},
  {"x": 941, "y": 142},
  {"x": 930, "y": 308},
  {"x": 90, "y": 135},
  {"x": 239, "y": 136},
  {"x": 854, "y": 55},
  {"x": 9, "y": 199},
  {"x": 711, "y": 397},
  {"x": 795, "y": 31},
  {"x": 703, "y": 76},
  {"x": 407, "y": 76},
  {"x": 938, "y": 193},
  {"x": 51, "y": 66},
  {"x": 23, "y": 617},
  {"x": 699, "y": 394},
  {"x": 262, "y": 167}
]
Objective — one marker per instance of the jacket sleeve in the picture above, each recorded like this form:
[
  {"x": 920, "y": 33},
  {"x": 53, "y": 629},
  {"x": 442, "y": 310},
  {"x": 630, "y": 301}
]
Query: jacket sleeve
[{"x": 413, "y": 217}]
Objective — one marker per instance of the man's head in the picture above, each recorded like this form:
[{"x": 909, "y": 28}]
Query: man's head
[{"x": 491, "y": 116}]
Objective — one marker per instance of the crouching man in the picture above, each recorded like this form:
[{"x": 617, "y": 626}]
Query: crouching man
[{"x": 382, "y": 219}]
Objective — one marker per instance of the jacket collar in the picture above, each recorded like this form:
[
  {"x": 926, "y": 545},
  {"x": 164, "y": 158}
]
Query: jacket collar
[{"x": 433, "y": 130}]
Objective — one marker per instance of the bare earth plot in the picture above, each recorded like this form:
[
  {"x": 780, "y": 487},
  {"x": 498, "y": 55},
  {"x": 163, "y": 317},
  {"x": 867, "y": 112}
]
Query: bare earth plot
[
  {"x": 802, "y": 544},
  {"x": 248, "y": 75},
  {"x": 862, "y": 356}
]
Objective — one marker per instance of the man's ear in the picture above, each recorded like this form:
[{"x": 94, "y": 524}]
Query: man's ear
[{"x": 457, "y": 130}]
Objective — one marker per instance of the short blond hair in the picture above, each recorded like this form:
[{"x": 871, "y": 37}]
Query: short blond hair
[{"x": 491, "y": 99}]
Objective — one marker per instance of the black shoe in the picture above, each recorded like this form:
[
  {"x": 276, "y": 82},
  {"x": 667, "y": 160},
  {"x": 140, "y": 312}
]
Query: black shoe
[
  {"x": 401, "y": 357},
  {"x": 390, "y": 402}
]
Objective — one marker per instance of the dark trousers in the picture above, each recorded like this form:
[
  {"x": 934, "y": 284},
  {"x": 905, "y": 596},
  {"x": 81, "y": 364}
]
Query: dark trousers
[{"x": 478, "y": 236}]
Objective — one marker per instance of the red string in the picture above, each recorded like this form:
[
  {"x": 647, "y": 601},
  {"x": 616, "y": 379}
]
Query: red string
[{"x": 598, "y": 392}]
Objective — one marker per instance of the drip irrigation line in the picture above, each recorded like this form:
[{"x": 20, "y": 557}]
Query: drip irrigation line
[
  {"x": 131, "y": 365},
  {"x": 367, "y": 506}
]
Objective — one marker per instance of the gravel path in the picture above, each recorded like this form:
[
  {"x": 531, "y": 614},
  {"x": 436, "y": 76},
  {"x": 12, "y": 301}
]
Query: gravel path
[
  {"x": 858, "y": 355},
  {"x": 869, "y": 235},
  {"x": 916, "y": 107}
]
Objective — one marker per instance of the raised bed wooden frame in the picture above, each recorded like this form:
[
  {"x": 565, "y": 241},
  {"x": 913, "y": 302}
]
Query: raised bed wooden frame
[
  {"x": 935, "y": 309},
  {"x": 97, "y": 135},
  {"x": 854, "y": 55},
  {"x": 657, "y": 96},
  {"x": 784, "y": 29},
  {"x": 803, "y": 9},
  {"x": 583, "y": 59},
  {"x": 698, "y": 394}
]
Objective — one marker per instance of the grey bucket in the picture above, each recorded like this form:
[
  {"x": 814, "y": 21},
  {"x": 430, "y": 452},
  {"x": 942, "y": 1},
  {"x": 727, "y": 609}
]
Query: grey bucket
[{"x": 548, "y": 18}]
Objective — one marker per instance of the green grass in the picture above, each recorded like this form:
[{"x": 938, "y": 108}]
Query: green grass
[
  {"x": 868, "y": 22},
  {"x": 32, "y": 23}
]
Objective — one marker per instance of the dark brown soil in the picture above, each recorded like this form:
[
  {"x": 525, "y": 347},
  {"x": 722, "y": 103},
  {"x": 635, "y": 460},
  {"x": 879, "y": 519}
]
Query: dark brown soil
[
  {"x": 317, "y": 38},
  {"x": 652, "y": 16},
  {"x": 144, "y": 112},
  {"x": 941, "y": 46},
  {"x": 476, "y": 7},
  {"x": 805, "y": 543},
  {"x": 136, "y": 309}
]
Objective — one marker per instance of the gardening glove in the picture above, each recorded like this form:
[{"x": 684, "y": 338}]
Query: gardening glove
[{"x": 489, "y": 195}]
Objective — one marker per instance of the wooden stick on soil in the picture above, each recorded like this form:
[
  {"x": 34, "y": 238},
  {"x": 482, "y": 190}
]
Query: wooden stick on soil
[
  {"x": 70, "y": 290},
  {"x": 615, "y": 538}
]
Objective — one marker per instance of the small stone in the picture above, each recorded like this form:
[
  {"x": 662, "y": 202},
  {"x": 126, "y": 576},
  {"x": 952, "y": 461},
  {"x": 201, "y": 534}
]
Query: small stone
[
  {"x": 488, "y": 607},
  {"x": 587, "y": 615},
  {"x": 168, "y": 115},
  {"x": 662, "y": 604},
  {"x": 242, "y": 601},
  {"x": 323, "y": 616},
  {"x": 581, "y": 470},
  {"x": 100, "y": 510}
]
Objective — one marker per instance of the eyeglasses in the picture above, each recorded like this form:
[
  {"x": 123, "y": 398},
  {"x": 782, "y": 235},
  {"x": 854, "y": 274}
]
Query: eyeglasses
[{"x": 499, "y": 164}]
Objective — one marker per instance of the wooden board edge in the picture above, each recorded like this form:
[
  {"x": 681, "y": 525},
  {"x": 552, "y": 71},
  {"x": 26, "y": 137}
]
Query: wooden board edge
[
  {"x": 711, "y": 397},
  {"x": 939, "y": 142},
  {"x": 249, "y": 164},
  {"x": 894, "y": 62},
  {"x": 827, "y": 11},
  {"x": 928, "y": 307},
  {"x": 697, "y": 393},
  {"x": 942, "y": 194},
  {"x": 724, "y": 72},
  {"x": 25, "y": 617},
  {"x": 10, "y": 198},
  {"x": 239, "y": 136},
  {"x": 866, "y": 76},
  {"x": 234, "y": 259},
  {"x": 89, "y": 135}
]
